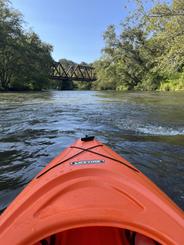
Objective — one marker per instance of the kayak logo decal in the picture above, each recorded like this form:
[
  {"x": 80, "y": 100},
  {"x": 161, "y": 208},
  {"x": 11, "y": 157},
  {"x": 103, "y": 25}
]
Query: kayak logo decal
[{"x": 84, "y": 162}]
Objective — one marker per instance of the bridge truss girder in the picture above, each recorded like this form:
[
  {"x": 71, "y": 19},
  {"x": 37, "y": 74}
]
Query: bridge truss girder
[{"x": 72, "y": 72}]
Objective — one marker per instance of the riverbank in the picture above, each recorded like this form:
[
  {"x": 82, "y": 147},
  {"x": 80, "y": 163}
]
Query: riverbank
[{"x": 172, "y": 85}]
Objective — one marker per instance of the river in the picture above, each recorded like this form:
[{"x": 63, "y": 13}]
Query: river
[{"x": 146, "y": 128}]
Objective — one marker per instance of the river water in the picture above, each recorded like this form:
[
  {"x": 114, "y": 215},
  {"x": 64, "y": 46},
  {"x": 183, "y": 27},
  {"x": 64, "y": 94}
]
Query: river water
[{"x": 146, "y": 128}]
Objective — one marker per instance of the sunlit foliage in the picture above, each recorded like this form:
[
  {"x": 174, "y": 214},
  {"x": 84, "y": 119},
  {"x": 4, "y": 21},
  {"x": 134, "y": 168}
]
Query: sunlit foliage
[
  {"x": 149, "y": 51},
  {"x": 24, "y": 59}
]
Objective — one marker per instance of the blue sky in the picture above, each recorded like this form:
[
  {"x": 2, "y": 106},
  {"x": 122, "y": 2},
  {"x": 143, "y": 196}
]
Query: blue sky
[{"x": 73, "y": 27}]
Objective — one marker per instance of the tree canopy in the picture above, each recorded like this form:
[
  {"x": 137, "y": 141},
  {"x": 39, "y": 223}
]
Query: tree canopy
[
  {"x": 24, "y": 59},
  {"x": 149, "y": 52}
]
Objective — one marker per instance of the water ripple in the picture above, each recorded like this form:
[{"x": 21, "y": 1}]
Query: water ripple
[{"x": 145, "y": 128}]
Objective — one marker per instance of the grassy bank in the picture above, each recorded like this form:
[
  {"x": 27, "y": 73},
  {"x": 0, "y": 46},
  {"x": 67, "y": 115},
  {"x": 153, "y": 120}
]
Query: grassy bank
[{"x": 176, "y": 84}]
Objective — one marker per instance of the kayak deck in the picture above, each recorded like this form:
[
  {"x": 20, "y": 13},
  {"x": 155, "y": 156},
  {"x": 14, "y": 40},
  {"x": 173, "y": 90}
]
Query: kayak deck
[{"x": 90, "y": 189}]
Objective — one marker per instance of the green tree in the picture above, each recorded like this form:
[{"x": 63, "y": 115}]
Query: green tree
[
  {"x": 148, "y": 52},
  {"x": 34, "y": 64},
  {"x": 24, "y": 59},
  {"x": 10, "y": 42}
]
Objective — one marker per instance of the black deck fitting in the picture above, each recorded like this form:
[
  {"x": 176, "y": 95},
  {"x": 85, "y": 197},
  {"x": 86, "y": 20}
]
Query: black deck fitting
[{"x": 88, "y": 138}]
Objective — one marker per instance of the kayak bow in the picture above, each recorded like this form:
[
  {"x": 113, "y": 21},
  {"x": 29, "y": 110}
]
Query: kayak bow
[{"x": 91, "y": 195}]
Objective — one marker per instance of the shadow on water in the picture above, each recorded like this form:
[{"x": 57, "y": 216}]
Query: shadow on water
[{"x": 146, "y": 128}]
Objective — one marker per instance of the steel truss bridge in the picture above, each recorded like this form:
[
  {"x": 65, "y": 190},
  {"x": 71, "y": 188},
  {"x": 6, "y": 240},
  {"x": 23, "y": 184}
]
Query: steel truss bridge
[{"x": 72, "y": 72}]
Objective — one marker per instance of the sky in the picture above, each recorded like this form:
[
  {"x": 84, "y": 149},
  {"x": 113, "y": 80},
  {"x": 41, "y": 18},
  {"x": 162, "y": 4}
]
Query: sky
[{"x": 74, "y": 27}]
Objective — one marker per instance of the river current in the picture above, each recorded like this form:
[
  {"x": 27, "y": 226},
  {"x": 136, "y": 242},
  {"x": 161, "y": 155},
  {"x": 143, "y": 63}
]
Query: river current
[{"x": 145, "y": 128}]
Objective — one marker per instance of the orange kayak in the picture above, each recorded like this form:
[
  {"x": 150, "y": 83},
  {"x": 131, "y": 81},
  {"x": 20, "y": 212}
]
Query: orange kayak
[{"x": 91, "y": 195}]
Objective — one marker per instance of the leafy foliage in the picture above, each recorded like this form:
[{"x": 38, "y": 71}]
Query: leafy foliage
[
  {"x": 24, "y": 59},
  {"x": 148, "y": 51}
]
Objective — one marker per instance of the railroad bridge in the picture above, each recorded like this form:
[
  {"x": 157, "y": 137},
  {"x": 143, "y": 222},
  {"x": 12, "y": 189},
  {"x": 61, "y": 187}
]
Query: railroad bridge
[{"x": 72, "y": 72}]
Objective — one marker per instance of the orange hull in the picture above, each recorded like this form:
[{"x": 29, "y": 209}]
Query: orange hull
[{"x": 90, "y": 189}]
